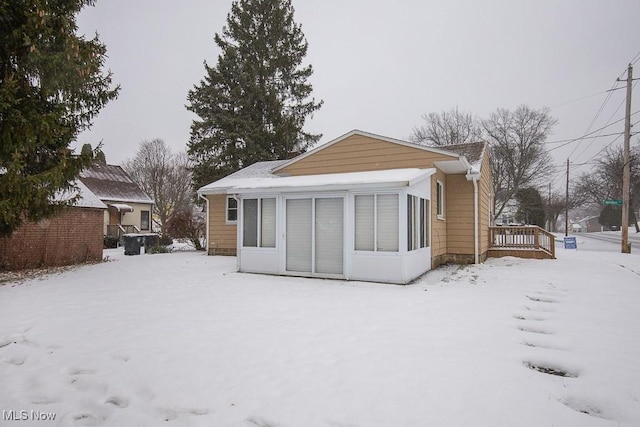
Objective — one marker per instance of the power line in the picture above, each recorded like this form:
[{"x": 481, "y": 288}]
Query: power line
[
  {"x": 586, "y": 135},
  {"x": 597, "y": 114},
  {"x": 612, "y": 115},
  {"x": 578, "y": 100}
]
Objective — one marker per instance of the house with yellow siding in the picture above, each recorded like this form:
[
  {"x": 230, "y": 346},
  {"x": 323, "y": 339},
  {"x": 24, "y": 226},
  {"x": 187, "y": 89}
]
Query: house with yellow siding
[{"x": 360, "y": 207}]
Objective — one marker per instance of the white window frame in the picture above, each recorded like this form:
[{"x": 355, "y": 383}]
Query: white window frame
[
  {"x": 148, "y": 227},
  {"x": 375, "y": 195},
  {"x": 227, "y": 208},
  {"x": 283, "y": 224},
  {"x": 417, "y": 225},
  {"x": 259, "y": 236},
  {"x": 439, "y": 199}
]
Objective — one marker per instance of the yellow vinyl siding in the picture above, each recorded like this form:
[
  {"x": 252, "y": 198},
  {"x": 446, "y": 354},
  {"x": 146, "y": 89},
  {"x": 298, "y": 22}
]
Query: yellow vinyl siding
[
  {"x": 128, "y": 218},
  {"x": 359, "y": 153},
  {"x": 438, "y": 226},
  {"x": 459, "y": 215},
  {"x": 485, "y": 193},
  {"x": 222, "y": 236}
]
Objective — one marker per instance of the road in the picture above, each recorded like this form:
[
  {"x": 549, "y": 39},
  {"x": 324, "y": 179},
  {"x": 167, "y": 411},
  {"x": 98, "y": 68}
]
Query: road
[{"x": 614, "y": 237}]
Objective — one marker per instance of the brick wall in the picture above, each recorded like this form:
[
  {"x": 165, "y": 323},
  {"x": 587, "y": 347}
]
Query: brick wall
[{"x": 74, "y": 236}]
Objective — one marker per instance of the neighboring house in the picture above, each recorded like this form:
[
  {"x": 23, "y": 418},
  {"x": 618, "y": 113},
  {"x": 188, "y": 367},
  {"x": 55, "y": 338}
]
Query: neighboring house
[
  {"x": 361, "y": 207},
  {"x": 73, "y": 236},
  {"x": 590, "y": 224},
  {"x": 129, "y": 207}
]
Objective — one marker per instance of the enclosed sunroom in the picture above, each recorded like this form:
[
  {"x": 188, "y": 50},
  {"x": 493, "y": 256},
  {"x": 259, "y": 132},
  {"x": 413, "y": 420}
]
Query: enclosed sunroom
[{"x": 370, "y": 226}]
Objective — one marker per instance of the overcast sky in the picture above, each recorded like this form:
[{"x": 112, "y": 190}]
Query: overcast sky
[{"x": 380, "y": 65}]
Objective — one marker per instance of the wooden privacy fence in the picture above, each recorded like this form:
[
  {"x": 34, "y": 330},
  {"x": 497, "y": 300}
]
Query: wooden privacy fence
[{"x": 524, "y": 241}]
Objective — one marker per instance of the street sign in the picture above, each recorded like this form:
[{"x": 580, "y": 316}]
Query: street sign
[
  {"x": 570, "y": 243},
  {"x": 613, "y": 202}
]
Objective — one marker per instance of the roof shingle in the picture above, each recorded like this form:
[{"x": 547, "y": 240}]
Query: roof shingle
[{"x": 111, "y": 182}]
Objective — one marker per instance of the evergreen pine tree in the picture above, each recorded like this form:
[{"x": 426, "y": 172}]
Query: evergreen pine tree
[
  {"x": 530, "y": 207},
  {"x": 51, "y": 86},
  {"x": 253, "y": 103}
]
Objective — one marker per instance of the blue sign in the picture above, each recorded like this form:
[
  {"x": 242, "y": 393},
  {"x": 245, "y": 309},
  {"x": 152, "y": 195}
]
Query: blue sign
[{"x": 570, "y": 243}]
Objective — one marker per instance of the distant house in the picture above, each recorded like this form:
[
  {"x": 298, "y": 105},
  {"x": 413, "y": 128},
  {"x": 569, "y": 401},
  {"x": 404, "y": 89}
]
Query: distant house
[
  {"x": 129, "y": 208},
  {"x": 590, "y": 224},
  {"x": 361, "y": 207},
  {"x": 73, "y": 236}
]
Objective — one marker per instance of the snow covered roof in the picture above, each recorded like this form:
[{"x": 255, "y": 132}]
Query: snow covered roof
[
  {"x": 111, "y": 182},
  {"x": 463, "y": 158},
  {"x": 474, "y": 152},
  {"x": 121, "y": 207},
  {"x": 256, "y": 170},
  {"x": 87, "y": 198},
  {"x": 325, "y": 182}
]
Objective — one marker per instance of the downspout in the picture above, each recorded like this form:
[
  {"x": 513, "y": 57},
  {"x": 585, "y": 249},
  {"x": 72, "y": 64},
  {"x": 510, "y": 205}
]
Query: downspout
[
  {"x": 206, "y": 199},
  {"x": 474, "y": 177},
  {"x": 238, "y": 243}
]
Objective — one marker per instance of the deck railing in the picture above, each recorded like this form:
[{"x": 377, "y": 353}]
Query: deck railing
[
  {"x": 529, "y": 237},
  {"x": 120, "y": 230}
]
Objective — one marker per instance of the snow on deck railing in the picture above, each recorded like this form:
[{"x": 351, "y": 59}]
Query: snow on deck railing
[
  {"x": 118, "y": 230},
  {"x": 522, "y": 238}
]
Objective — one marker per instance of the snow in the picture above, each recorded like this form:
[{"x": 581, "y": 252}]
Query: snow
[
  {"x": 256, "y": 170},
  {"x": 406, "y": 176},
  {"x": 182, "y": 339},
  {"x": 87, "y": 198}
]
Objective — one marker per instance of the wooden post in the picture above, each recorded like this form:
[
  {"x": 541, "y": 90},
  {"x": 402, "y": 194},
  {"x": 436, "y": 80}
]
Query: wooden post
[
  {"x": 566, "y": 205},
  {"x": 626, "y": 171}
]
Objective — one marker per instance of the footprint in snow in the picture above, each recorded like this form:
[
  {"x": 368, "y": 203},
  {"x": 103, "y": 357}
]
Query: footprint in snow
[
  {"x": 534, "y": 330},
  {"x": 16, "y": 360},
  {"x": 551, "y": 369},
  {"x": 582, "y": 406},
  {"x": 542, "y": 299},
  {"x": 117, "y": 401},
  {"x": 547, "y": 309},
  {"x": 169, "y": 414},
  {"x": 86, "y": 419},
  {"x": 260, "y": 422}
]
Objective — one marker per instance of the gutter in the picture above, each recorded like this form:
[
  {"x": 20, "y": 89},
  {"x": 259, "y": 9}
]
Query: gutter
[{"x": 238, "y": 242}]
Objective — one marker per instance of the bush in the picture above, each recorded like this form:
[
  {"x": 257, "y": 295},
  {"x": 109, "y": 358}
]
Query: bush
[
  {"x": 110, "y": 242},
  {"x": 158, "y": 249},
  {"x": 166, "y": 240},
  {"x": 188, "y": 224}
]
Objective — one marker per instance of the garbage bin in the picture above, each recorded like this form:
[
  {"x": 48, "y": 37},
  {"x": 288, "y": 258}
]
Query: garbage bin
[
  {"x": 151, "y": 239},
  {"x": 132, "y": 244}
]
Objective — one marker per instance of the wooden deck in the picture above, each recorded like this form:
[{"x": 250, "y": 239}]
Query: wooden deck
[{"x": 522, "y": 242}]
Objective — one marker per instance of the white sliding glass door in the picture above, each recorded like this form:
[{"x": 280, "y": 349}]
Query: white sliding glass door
[
  {"x": 299, "y": 235},
  {"x": 329, "y": 239},
  {"x": 315, "y": 235}
]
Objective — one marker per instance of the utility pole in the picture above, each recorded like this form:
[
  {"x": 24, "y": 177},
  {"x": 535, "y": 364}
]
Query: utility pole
[
  {"x": 566, "y": 205},
  {"x": 626, "y": 171}
]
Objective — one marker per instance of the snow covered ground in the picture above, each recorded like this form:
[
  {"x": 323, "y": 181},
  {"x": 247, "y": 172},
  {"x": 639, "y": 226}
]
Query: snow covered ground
[{"x": 181, "y": 339}]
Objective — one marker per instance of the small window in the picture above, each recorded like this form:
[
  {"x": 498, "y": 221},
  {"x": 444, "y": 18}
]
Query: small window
[
  {"x": 232, "y": 210},
  {"x": 144, "y": 220},
  {"x": 439, "y": 200},
  {"x": 259, "y": 223},
  {"x": 376, "y": 222},
  {"x": 417, "y": 223}
]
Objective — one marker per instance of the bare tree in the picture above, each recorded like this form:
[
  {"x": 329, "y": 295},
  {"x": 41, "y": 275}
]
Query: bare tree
[
  {"x": 189, "y": 223},
  {"x": 446, "y": 128},
  {"x": 518, "y": 156},
  {"x": 604, "y": 180},
  {"x": 163, "y": 175}
]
